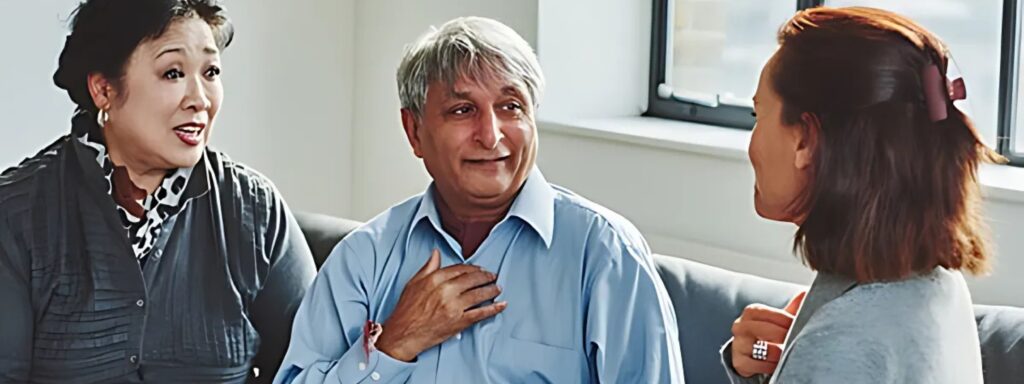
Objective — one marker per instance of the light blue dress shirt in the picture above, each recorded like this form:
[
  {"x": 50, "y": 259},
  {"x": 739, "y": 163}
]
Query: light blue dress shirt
[{"x": 585, "y": 303}]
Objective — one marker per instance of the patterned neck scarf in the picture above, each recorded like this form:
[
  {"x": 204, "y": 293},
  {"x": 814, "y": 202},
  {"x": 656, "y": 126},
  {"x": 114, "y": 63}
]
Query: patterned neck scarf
[{"x": 142, "y": 215}]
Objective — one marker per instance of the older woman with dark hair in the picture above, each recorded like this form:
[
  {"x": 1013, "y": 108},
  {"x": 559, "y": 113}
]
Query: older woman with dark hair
[
  {"x": 129, "y": 250},
  {"x": 859, "y": 143}
]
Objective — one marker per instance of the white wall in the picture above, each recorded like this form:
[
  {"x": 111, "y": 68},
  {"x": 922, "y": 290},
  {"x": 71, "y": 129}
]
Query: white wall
[
  {"x": 288, "y": 81},
  {"x": 385, "y": 171},
  {"x": 33, "y": 111},
  {"x": 312, "y": 102},
  {"x": 595, "y": 54},
  {"x": 289, "y": 110}
]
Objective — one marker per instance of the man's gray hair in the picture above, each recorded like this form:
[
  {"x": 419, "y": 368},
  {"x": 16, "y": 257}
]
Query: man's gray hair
[{"x": 473, "y": 48}]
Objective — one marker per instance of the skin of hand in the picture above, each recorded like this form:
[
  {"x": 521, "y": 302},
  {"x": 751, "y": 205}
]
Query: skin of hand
[
  {"x": 761, "y": 322},
  {"x": 436, "y": 304}
]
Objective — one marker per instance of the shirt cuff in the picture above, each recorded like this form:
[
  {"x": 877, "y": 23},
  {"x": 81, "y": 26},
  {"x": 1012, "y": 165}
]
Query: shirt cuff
[
  {"x": 355, "y": 367},
  {"x": 390, "y": 369}
]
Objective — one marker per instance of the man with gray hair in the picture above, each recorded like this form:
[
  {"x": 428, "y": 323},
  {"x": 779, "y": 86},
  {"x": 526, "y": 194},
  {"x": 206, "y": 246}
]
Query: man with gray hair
[{"x": 492, "y": 275}]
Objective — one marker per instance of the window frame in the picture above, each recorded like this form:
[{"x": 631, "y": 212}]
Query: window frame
[
  {"x": 1009, "y": 78},
  {"x": 740, "y": 117}
]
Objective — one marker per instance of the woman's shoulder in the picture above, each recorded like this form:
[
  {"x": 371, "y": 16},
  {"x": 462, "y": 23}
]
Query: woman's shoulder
[
  {"x": 924, "y": 298},
  {"x": 231, "y": 173},
  {"x": 938, "y": 289},
  {"x": 25, "y": 181},
  {"x": 895, "y": 329}
]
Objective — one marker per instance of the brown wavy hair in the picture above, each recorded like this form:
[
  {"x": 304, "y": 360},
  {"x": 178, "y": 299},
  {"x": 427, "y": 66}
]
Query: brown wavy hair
[{"x": 891, "y": 192}]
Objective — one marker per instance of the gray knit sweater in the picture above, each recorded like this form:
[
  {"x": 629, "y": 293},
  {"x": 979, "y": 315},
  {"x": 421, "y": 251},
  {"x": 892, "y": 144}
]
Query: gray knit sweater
[{"x": 918, "y": 330}]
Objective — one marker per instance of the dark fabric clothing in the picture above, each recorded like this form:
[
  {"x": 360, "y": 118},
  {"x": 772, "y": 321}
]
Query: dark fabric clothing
[
  {"x": 142, "y": 214},
  {"x": 215, "y": 298}
]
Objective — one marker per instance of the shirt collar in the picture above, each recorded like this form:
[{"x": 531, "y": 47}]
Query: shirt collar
[
  {"x": 427, "y": 210},
  {"x": 194, "y": 187},
  {"x": 199, "y": 181},
  {"x": 534, "y": 205}
]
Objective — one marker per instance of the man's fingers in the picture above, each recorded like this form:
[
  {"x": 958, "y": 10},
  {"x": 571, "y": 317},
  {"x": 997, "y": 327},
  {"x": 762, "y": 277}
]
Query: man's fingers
[
  {"x": 761, "y": 330},
  {"x": 470, "y": 280},
  {"x": 478, "y": 295},
  {"x": 795, "y": 303},
  {"x": 473, "y": 316},
  {"x": 441, "y": 276},
  {"x": 759, "y": 312}
]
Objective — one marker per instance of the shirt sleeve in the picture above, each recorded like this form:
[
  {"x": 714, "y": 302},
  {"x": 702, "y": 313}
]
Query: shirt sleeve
[
  {"x": 327, "y": 343},
  {"x": 631, "y": 329},
  {"x": 16, "y": 323},
  {"x": 291, "y": 272}
]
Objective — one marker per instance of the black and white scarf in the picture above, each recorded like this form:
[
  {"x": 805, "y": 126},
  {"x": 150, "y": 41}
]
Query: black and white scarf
[{"x": 165, "y": 202}]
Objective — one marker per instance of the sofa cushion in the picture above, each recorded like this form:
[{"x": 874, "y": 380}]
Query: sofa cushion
[
  {"x": 707, "y": 300},
  {"x": 1001, "y": 330},
  {"x": 323, "y": 232}
]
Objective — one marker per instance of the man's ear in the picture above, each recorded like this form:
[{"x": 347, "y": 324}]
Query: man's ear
[
  {"x": 101, "y": 90},
  {"x": 807, "y": 140},
  {"x": 410, "y": 122}
]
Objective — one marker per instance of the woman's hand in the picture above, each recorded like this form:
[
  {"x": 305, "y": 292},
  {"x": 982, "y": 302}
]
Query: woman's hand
[{"x": 761, "y": 322}]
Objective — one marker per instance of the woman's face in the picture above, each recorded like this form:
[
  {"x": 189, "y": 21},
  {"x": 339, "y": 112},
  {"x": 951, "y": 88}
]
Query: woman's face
[
  {"x": 780, "y": 154},
  {"x": 161, "y": 115}
]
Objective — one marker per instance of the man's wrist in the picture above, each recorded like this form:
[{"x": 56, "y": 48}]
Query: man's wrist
[{"x": 394, "y": 348}]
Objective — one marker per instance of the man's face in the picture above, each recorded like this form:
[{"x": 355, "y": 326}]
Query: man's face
[{"x": 477, "y": 139}]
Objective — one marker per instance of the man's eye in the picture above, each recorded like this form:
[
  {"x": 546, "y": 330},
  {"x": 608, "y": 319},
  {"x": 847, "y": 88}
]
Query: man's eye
[
  {"x": 173, "y": 74},
  {"x": 462, "y": 110}
]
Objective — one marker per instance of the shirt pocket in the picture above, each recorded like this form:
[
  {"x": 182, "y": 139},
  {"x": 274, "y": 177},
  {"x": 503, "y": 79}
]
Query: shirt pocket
[{"x": 519, "y": 361}]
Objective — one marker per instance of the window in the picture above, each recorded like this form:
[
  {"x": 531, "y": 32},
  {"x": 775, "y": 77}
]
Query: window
[
  {"x": 1011, "y": 132},
  {"x": 707, "y": 54}
]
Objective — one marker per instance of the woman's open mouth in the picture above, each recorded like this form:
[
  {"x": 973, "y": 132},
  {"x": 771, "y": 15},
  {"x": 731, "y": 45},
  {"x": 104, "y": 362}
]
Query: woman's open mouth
[{"x": 190, "y": 134}]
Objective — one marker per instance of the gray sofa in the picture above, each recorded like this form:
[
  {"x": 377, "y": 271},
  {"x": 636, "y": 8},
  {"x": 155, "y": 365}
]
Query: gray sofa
[{"x": 708, "y": 299}]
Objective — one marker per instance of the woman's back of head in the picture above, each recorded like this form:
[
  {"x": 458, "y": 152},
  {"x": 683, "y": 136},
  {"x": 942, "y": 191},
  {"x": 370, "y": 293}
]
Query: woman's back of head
[{"x": 892, "y": 188}]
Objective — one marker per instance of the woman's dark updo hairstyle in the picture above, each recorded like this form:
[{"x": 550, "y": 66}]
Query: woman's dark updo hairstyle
[{"x": 104, "y": 33}]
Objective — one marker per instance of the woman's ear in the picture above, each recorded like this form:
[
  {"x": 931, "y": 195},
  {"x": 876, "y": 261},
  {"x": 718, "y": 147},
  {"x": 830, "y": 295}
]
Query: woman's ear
[
  {"x": 807, "y": 140},
  {"x": 100, "y": 89}
]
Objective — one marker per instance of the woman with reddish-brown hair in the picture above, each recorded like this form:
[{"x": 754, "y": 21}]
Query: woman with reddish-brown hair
[{"x": 859, "y": 144}]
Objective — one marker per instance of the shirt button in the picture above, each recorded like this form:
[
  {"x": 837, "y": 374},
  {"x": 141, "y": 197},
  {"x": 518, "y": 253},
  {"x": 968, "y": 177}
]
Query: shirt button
[
  {"x": 133, "y": 359},
  {"x": 375, "y": 376},
  {"x": 140, "y": 303},
  {"x": 362, "y": 366},
  {"x": 458, "y": 336}
]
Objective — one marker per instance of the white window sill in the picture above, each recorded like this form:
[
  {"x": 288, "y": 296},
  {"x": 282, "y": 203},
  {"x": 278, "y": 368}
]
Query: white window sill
[{"x": 999, "y": 182}]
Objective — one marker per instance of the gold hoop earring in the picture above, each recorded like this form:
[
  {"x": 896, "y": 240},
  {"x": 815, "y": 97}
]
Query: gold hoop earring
[{"x": 102, "y": 117}]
